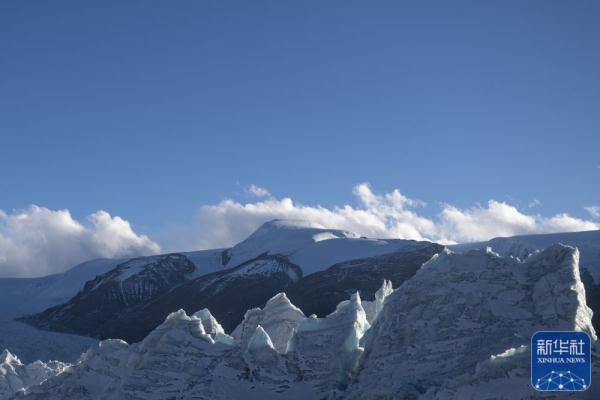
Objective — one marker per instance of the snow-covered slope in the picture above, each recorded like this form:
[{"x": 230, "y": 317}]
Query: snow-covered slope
[
  {"x": 588, "y": 244},
  {"x": 459, "y": 329},
  {"x": 312, "y": 249},
  {"x": 22, "y": 296},
  {"x": 19, "y": 296},
  {"x": 32, "y": 344},
  {"x": 130, "y": 300},
  {"x": 462, "y": 321}
]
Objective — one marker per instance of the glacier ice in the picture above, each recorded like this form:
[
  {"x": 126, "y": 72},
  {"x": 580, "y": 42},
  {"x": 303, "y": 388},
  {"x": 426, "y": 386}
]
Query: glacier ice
[
  {"x": 458, "y": 311},
  {"x": 459, "y": 329},
  {"x": 279, "y": 318},
  {"x": 373, "y": 308},
  {"x": 260, "y": 339},
  {"x": 17, "y": 377}
]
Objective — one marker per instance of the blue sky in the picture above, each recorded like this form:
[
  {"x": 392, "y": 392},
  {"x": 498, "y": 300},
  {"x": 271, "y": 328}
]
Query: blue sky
[{"x": 151, "y": 109}]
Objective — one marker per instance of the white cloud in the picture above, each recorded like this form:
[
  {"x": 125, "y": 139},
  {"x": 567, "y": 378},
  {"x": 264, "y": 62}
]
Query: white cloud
[
  {"x": 39, "y": 241},
  {"x": 535, "y": 203},
  {"x": 389, "y": 215},
  {"x": 593, "y": 210},
  {"x": 258, "y": 191},
  {"x": 501, "y": 219}
]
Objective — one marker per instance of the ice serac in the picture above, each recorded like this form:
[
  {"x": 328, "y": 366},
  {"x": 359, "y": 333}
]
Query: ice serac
[
  {"x": 16, "y": 376},
  {"x": 326, "y": 349},
  {"x": 177, "y": 357},
  {"x": 320, "y": 292},
  {"x": 373, "y": 308},
  {"x": 279, "y": 318},
  {"x": 588, "y": 244},
  {"x": 462, "y": 321},
  {"x": 260, "y": 340}
]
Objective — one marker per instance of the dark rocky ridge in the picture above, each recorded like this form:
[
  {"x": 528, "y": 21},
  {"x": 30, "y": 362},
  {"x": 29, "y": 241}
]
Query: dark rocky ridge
[
  {"x": 109, "y": 307},
  {"x": 319, "y": 293}
]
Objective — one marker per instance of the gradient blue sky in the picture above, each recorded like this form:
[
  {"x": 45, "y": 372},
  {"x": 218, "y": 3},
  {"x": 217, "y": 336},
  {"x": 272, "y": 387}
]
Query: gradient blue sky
[{"x": 149, "y": 109}]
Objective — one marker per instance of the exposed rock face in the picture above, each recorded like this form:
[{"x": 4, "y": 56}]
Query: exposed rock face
[
  {"x": 320, "y": 292},
  {"x": 227, "y": 294},
  {"x": 135, "y": 297},
  {"x": 461, "y": 309},
  {"x": 94, "y": 311}
]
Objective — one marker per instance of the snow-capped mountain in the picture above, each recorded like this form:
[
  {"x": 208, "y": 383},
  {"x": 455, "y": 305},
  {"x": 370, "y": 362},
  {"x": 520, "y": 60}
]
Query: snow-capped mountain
[
  {"x": 313, "y": 249},
  {"x": 317, "y": 267},
  {"x": 458, "y": 329}
]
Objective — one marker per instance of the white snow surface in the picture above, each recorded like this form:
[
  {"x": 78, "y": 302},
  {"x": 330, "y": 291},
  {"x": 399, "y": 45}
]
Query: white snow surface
[
  {"x": 459, "y": 329},
  {"x": 312, "y": 249},
  {"x": 21, "y": 296},
  {"x": 588, "y": 244}
]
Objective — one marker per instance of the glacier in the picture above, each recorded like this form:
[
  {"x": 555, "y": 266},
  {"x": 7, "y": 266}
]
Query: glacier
[{"x": 458, "y": 329}]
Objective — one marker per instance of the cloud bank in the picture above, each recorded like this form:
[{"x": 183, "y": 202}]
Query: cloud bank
[
  {"x": 388, "y": 215},
  {"x": 38, "y": 241}
]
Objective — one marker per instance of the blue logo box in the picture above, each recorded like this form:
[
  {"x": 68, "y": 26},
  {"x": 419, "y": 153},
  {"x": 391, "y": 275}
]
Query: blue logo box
[{"x": 561, "y": 361}]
